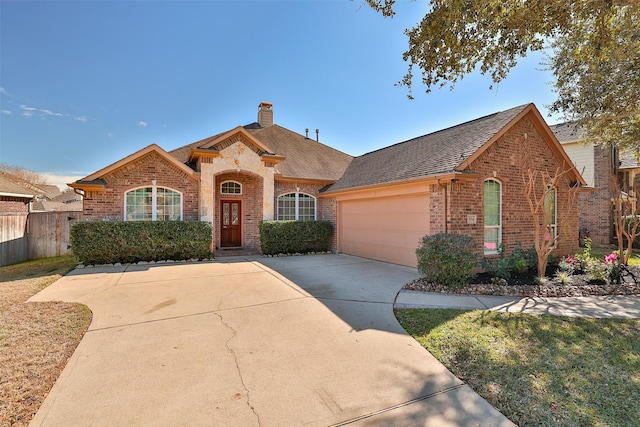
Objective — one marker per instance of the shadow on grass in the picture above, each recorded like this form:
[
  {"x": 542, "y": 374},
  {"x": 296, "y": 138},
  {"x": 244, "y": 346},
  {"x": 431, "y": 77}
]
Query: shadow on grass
[{"x": 539, "y": 370}]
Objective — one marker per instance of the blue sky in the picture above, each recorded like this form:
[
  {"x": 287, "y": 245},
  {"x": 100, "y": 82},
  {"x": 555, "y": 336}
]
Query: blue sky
[{"x": 83, "y": 84}]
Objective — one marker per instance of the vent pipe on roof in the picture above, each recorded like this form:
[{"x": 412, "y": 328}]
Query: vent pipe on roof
[
  {"x": 306, "y": 133},
  {"x": 265, "y": 114},
  {"x": 318, "y": 135}
]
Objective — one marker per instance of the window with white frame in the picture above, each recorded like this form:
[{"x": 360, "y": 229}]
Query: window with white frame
[
  {"x": 550, "y": 201},
  {"x": 492, "y": 216},
  {"x": 231, "y": 188},
  {"x": 153, "y": 204},
  {"x": 296, "y": 206}
]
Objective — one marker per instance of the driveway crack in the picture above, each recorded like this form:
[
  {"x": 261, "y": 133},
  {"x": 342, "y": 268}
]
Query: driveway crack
[{"x": 235, "y": 357}]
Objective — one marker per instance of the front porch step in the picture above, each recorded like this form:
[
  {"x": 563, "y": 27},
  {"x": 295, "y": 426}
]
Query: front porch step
[{"x": 223, "y": 252}]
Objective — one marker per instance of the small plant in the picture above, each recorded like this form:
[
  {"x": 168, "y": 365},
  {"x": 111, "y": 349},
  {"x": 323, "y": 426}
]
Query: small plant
[
  {"x": 613, "y": 267},
  {"x": 568, "y": 265},
  {"x": 563, "y": 276},
  {"x": 598, "y": 271},
  {"x": 584, "y": 257},
  {"x": 541, "y": 280},
  {"x": 447, "y": 259}
]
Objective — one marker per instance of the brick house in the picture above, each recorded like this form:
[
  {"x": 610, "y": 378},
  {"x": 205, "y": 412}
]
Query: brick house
[
  {"x": 467, "y": 179},
  {"x": 14, "y": 197},
  {"x": 597, "y": 165}
]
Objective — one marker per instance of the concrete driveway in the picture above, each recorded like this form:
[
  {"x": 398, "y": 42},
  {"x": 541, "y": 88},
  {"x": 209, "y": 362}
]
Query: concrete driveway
[{"x": 252, "y": 341}]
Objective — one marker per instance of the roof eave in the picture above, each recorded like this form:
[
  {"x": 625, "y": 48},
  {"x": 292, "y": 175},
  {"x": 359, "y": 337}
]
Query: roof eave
[{"x": 441, "y": 178}]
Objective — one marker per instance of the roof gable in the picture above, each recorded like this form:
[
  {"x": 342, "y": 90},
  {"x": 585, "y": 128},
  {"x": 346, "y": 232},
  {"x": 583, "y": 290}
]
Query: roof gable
[
  {"x": 95, "y": 178},
  {"x": 443, "y": 153}
]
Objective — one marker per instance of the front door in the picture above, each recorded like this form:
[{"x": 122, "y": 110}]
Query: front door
[{"x": 230, "y": 233}]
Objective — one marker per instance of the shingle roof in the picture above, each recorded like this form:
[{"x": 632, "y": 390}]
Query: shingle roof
[
  {"x": 567, "y": 132},
  {"x": 436, "y": 153},
  {"x": 9, "y": 187},
  {"x": 628, "y": 160},
  {"x": 304, "y": 158}
]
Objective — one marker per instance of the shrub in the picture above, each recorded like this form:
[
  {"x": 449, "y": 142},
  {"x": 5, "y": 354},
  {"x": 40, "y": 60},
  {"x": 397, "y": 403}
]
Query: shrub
[
  {"x": 447, "y": 259},
  {"x": 518, "y": 262},
  {"x": 288, "y": 237},
  {"x": 108, "y": 242}
]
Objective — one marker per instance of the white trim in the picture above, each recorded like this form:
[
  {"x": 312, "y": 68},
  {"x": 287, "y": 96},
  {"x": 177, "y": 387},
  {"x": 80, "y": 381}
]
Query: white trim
[
  {"x": 154, "y": 200},
  {"x": 230, "y": 194},
  {"x": 493, "y": 227},
  {"x": 297, "y": 205}
]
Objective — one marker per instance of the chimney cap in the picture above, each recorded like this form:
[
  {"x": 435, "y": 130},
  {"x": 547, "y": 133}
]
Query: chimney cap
[{"x": 265, "y": 105}]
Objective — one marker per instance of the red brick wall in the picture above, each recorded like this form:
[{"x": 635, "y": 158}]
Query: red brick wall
[
  {"x": 109, "y": 204},
  {"x": 505, "y": 157},
  {"x": 326, "y": 208},
  {"x": 252, "y": 206},
  {"x": 13, "y": 205},
  {"x": 595, "y": 206}
]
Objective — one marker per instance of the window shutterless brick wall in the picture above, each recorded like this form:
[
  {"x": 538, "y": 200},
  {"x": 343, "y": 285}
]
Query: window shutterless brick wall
[
  {"x": 326, "y": 208},
  {"x": 505, "y": 158},
  {"x": 109, "y": 204}
]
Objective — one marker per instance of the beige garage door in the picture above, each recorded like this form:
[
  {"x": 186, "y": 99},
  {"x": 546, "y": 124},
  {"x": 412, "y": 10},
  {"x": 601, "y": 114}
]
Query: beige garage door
[{"x": 386, "y": 229}]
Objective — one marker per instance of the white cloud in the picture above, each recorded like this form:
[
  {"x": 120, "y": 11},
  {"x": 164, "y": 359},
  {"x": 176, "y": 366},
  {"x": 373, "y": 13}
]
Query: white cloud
[
  {"x": 7, "y": 112},
  {"x": 51, "y": 113},
  {"x": 60, "y": 179},
  {"x": 27, "y": 114},
  {"x": 27, "y": 108},
  {"x": 143, "y": 124},
  {"x": 82, "y": 119}
]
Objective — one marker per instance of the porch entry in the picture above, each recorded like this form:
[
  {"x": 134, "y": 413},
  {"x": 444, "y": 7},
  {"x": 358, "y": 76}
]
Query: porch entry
[{"x": 230, "y": 224}]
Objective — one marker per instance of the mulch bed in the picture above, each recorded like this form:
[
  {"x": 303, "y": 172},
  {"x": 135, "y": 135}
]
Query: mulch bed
[{"x": 525, "y": 286}]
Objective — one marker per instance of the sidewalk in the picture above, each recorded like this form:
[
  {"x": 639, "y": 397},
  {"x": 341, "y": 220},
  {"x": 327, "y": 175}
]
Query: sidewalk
[{"x": 619, "y": 306}]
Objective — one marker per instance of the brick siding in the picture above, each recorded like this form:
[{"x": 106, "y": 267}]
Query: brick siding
[
  {"x": 595, "y": 206},
  {"x": 505, "y": 158},
  {"x": 109, "y": 204},
  {"x": 251, "y": 207},
  {"x": 13, "y": 205}
]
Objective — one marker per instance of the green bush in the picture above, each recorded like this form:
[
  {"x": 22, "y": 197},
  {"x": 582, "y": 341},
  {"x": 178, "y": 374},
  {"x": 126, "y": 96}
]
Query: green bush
[
  {"x": 108, "y": 242},
  {"x": 447, "y": 259},
  {"x": 518, "y": 262},
  {"x": 289, "y": 237}
]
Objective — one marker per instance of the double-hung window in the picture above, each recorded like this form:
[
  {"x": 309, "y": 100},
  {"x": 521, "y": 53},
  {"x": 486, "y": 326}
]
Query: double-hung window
[
  {"x": 492, "y": 216},
  {"x": 296, "y": 206},
  {"x": 153, "y": 204}
]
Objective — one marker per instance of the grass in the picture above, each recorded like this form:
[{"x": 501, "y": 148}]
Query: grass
[
  {"x": 36, "y": 339},
  {"x": 539, "y": 370}
]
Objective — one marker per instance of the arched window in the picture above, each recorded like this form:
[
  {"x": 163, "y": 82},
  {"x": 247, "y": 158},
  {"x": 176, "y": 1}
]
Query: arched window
[
  {"x": 296, "y": 206},
  {"x": 492, "y": 216},
  {"x": 152, "y": 204},
  {"x": 232, "y": 188}
]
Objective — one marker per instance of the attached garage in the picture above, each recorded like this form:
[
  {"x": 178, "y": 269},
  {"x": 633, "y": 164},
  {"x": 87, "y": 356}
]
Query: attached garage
[{"x": 384, "y": 228}]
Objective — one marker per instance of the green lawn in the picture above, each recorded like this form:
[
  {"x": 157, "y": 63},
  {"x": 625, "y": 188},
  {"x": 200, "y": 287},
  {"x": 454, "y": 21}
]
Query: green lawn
[{"x": 539, "y": 370}]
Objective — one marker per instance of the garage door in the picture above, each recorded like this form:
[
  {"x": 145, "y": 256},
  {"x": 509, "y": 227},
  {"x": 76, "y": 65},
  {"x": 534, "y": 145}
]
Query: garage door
[{"x": 386, "y": 229}]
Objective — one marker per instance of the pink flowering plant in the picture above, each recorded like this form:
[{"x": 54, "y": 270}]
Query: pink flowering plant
[{"x": 614, "y": 266}]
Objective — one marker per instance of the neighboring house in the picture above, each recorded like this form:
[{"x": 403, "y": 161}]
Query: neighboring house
[
  {"x": 44, "y": 197},
  {"x": 68, "y": 201},
  {"x": 467, "y": 179},
  {"x": 14, "y": 198},
  {"x": 597, "y": 165}
]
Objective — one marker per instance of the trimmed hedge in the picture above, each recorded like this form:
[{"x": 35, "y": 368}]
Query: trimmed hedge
[
  {"x": 447, "y": 259},
  {"x": 289, "y": 237},
  {"x": 132, "y": 241}
]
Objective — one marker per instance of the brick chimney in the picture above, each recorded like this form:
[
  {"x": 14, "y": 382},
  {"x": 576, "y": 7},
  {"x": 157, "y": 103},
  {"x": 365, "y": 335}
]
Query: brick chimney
[{"x": 265, "y": 114}]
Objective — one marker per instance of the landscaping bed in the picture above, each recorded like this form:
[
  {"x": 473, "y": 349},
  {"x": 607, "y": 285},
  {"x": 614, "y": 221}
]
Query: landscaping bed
[{"x": 525, "y": 285}]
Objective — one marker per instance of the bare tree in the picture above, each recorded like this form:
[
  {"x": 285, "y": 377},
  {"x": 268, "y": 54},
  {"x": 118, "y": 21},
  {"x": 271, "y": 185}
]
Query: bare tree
[
  {"x": 625, "y": 220},
  {"x": 24, "y": 174},
  {"x": 540, "y": 189}
]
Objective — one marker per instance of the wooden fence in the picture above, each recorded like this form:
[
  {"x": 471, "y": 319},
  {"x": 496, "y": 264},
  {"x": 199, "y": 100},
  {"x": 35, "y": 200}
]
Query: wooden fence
[{"x": 38, "y": 235}]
